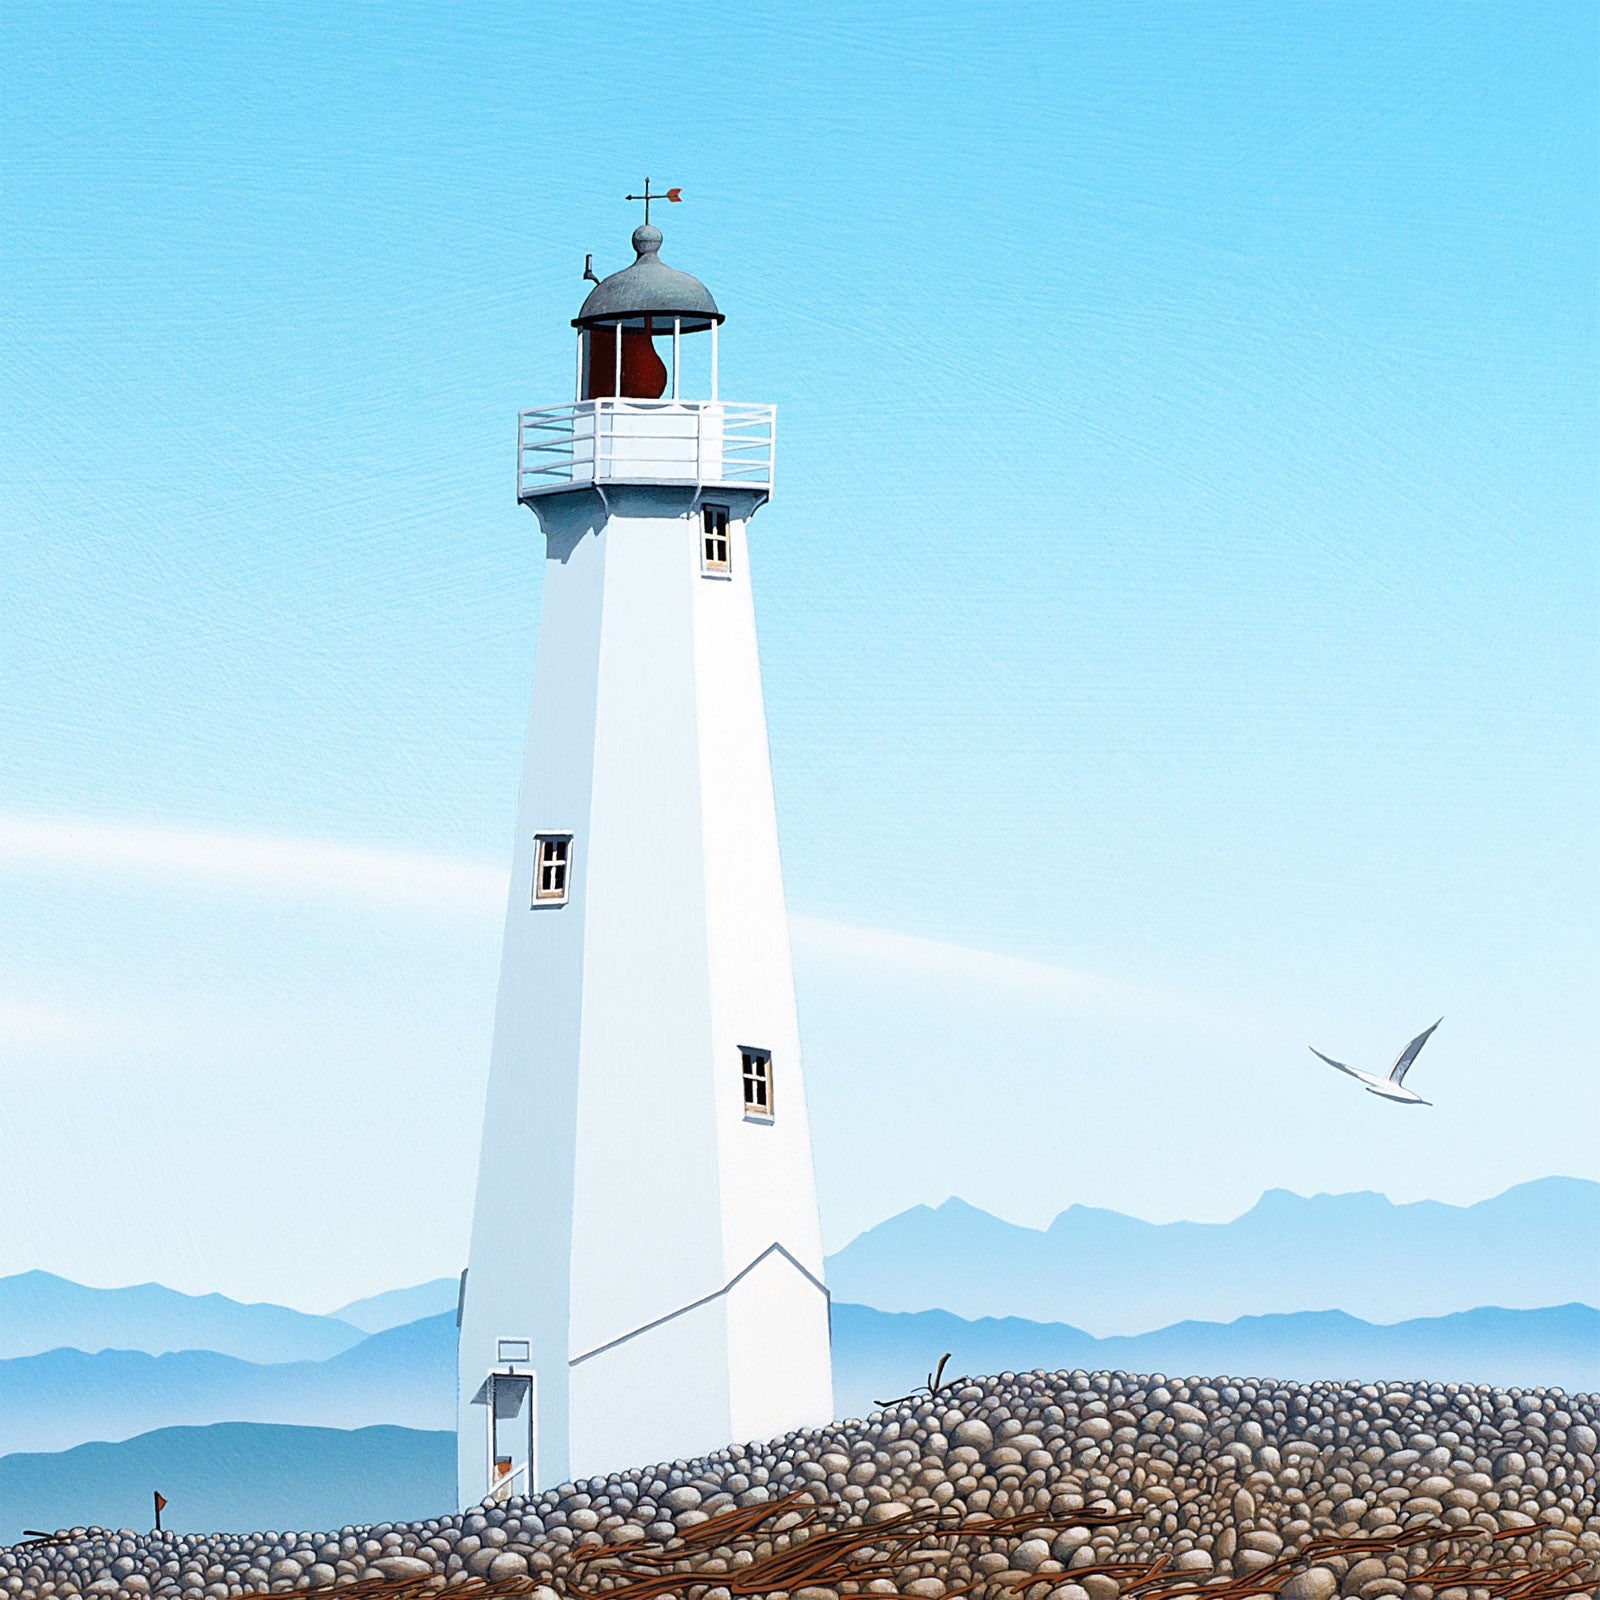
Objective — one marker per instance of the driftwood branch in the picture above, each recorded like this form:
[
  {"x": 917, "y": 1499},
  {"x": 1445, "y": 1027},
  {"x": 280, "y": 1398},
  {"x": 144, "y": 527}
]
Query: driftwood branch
[{"x": 932, "y": 1387}]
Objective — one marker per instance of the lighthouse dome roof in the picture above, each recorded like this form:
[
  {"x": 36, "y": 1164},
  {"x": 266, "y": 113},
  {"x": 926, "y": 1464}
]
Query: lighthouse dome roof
[{"x": 649, "y": 288}]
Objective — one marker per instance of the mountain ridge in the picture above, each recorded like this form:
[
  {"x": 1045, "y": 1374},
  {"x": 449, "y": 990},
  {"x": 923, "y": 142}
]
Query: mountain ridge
[
  {"x": 1276, "y": 1194},
  {"x": 406, "y": 1376},
  {"x": 395, "y": 1307},
  {"x": 1115, "y": 1275},
  {"x": 879, "y": 1353},
  {"x": 58, "y": 1399},
  {"x": 41, "y": 1311}
]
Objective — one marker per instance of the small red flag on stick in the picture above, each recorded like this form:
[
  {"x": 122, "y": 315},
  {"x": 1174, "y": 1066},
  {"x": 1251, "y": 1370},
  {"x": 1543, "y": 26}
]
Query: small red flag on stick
[{"x": 161, "y": 1501}]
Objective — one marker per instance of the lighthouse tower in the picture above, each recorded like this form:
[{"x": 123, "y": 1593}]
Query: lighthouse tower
[{"x": 645, "y": 1278}]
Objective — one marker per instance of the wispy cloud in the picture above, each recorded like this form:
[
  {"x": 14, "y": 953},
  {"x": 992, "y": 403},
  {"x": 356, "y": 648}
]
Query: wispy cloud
[
  {"x": 285, "y": 865},
  {"x": 258, "y": 862},
  {"x": 28, "y": 1023},
  {"x": 940, "y": 961}
]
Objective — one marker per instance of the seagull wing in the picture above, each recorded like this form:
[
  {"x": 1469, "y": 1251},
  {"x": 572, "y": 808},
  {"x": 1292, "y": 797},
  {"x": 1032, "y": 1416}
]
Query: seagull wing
[
  {"x": 1332, "y": 1063},
  {"x": 1397, "y": 1073}
]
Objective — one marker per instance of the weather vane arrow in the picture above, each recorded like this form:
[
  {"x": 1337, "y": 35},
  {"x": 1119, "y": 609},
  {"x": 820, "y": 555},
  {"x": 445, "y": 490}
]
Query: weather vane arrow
[{"x": 674, "y": 195}]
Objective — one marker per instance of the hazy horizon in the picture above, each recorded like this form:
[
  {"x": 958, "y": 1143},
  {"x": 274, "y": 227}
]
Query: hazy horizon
[{"x": 441, "y": 1278}]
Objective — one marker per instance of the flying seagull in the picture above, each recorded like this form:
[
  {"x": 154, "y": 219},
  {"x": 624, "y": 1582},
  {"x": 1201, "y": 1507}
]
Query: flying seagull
[{"x": 1392, "y": 1087}]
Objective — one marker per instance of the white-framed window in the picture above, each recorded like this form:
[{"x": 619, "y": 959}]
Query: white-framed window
[
  {"x": 755, "y": 1069},
  {"x": 715, "y": 551},
  {"x": 552, "y": 861}
]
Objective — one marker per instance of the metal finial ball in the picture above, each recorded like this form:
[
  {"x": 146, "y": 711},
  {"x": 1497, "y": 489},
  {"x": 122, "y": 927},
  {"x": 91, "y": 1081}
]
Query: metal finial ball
[{"x": 648, "y": 288}]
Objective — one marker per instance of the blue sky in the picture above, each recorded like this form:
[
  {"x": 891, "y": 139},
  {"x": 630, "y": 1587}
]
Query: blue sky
[{"x": 1178, "y": 612}]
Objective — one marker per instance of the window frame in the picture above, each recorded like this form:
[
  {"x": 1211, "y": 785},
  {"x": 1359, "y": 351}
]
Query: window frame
[
  {"x": 542, "y": 841},
  {"x": 710, "y": 531},
  {"x": 765, "y": 1109}
]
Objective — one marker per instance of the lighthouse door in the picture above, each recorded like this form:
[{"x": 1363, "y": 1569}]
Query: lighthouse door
[{"x": 512, "y": 1469}]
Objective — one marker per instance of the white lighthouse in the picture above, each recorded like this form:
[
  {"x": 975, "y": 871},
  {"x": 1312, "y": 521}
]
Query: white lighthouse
[{"x": 645, "y": 1278}]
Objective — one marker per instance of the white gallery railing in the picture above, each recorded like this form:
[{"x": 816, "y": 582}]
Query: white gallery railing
[{"x": 709, "y": 442}]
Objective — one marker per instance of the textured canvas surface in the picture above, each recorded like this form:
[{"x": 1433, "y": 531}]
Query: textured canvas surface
[{"x": 1176, "y": 616}]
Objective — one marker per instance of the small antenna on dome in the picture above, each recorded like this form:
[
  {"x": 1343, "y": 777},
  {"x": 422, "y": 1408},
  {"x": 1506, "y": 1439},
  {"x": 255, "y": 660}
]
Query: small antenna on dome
[{"x": 588, "y": 269}]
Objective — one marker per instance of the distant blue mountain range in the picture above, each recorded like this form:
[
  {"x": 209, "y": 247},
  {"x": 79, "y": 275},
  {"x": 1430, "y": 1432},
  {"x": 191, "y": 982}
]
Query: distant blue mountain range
[
  {"x": 237, "y": 1475},
  {"x": 39, "y": 1311},
  {"x": 878, "y": 1355},
  {"x": 252, "y": 1475},
  {"x": 400, "y": 1306},
  {"x": 404, "y": 1376},
  {"x": 1247, "y": 1297},
  {"x": 1537, "y": 1244}
]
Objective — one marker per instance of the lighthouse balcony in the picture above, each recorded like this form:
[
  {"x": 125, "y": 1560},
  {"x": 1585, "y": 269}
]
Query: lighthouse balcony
[{"x": 594, "y": 443}]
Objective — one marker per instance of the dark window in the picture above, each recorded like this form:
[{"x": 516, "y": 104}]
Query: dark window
[
  {"x": 756, "y": 1070},
  {"x": 714, "y": 538},
  {"x": 550, "y": 861}
]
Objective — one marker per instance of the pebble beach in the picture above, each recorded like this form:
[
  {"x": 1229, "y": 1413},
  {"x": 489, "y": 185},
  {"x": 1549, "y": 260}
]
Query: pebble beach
[{"x": 1220, "y": 1480}]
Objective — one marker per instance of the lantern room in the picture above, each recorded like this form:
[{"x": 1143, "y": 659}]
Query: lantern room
[
  {"x": 647, "y": 408},
  {"x": 637, "y": 331}
]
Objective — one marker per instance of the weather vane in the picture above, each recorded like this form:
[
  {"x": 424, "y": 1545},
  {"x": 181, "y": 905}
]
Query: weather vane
[{"x": 674, "y": 195}]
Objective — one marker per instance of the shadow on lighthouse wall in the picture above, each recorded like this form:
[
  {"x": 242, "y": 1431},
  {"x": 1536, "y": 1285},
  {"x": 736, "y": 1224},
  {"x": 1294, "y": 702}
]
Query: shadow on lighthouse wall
[{"x": 564, "y": 538}]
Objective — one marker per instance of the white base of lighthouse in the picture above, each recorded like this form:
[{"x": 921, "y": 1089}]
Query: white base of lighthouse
[
  {"x": 645, "y": 1278},
  {"x": 760, "y": 1351}
]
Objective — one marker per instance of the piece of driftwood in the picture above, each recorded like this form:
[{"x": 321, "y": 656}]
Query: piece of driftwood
[
  {"x": 932, "y": 1387},
  {"x": 818, "y": 1551},
  {"x": 818, "y": 1547}
]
